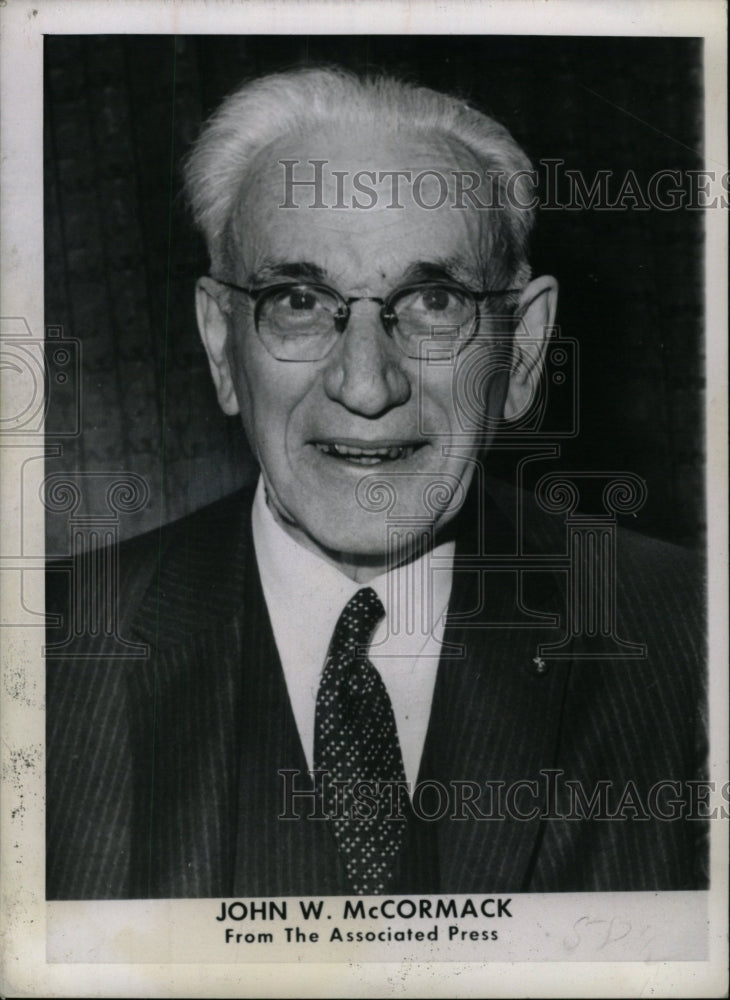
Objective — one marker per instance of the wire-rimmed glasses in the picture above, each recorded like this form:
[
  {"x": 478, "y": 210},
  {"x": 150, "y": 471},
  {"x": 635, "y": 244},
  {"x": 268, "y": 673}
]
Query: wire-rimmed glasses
[{"x": 302, "y": 321}]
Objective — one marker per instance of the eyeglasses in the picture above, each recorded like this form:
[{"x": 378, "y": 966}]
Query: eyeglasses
[{"x": 303, "y": 321}]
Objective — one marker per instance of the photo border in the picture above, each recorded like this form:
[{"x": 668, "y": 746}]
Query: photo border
[{"x": 25, "y": 968}]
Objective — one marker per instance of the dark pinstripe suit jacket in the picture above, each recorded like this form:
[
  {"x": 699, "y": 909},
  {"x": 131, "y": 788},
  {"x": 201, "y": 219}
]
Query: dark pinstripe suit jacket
[{"x": 162, "y": 773}]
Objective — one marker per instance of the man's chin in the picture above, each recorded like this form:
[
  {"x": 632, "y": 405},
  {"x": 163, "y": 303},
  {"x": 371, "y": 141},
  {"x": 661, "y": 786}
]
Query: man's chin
[
  {"x": 352, "y": 544},
  {"x": 377, "y": 546},
  {"x": 386, "y": 528}
]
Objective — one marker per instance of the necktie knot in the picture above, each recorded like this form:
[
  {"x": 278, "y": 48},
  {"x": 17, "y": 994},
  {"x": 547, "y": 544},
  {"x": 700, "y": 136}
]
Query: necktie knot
[{"x": 356, "y": 624}]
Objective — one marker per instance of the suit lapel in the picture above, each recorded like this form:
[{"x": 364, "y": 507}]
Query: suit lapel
[
  {"x": 495, "y": 718},
  {"x": 212, "y": 729},
  {"x": 275, "y": 856},
  {"x": 185, "y": 703}
]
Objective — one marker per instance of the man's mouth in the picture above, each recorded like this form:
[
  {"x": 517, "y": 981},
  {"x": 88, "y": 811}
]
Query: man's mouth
[{"x": 366, "y": 455}]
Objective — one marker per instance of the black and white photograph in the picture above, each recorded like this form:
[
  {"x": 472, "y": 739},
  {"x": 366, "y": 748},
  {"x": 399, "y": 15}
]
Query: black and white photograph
[{"x": 367, "y": 529}]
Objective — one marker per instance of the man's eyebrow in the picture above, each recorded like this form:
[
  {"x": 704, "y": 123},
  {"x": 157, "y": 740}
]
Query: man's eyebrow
[
  {"x": 438, "y": 269},
  {"x": 442, "y": 269},
  {"x": 298, "y": 270}
]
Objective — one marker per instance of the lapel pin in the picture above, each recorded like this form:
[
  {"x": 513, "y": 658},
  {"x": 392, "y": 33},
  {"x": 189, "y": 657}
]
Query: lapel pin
[{"x": 541, "y": 666}]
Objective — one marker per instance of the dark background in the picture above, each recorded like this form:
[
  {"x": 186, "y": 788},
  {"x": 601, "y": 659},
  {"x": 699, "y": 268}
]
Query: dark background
[{"x": 122, "y": 257}]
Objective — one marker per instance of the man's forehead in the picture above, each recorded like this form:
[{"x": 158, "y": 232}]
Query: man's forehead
[
  {"x": 308, "y": 249},
  {"x": 327, "y": 200}
]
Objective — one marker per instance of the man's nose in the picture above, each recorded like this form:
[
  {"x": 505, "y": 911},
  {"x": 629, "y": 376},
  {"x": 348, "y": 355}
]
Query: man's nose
[{"x": 365, "y": 372}]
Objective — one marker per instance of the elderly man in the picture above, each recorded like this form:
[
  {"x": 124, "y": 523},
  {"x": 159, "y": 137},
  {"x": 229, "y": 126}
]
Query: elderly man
[{"x": 337, "y": 697}]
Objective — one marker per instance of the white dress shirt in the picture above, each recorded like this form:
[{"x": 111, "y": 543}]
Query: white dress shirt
[{"x": 305, "y": 596}]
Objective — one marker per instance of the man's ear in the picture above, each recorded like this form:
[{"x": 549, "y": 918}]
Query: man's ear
[
  {"x": 213, "y": 328},
  {"x": 537, "y": 307}
]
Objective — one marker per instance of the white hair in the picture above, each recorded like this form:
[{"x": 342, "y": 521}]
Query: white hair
[{"x": 303, "y": 100}]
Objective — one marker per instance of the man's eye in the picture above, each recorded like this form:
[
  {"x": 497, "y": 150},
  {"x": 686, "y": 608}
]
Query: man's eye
[
  {"x": 301, "y": 300},
  {"x": 436, "y": 299}
]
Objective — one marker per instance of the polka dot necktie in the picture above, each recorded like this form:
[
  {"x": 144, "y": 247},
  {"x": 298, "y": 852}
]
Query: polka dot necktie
[{"x": 355, "y": 739}]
